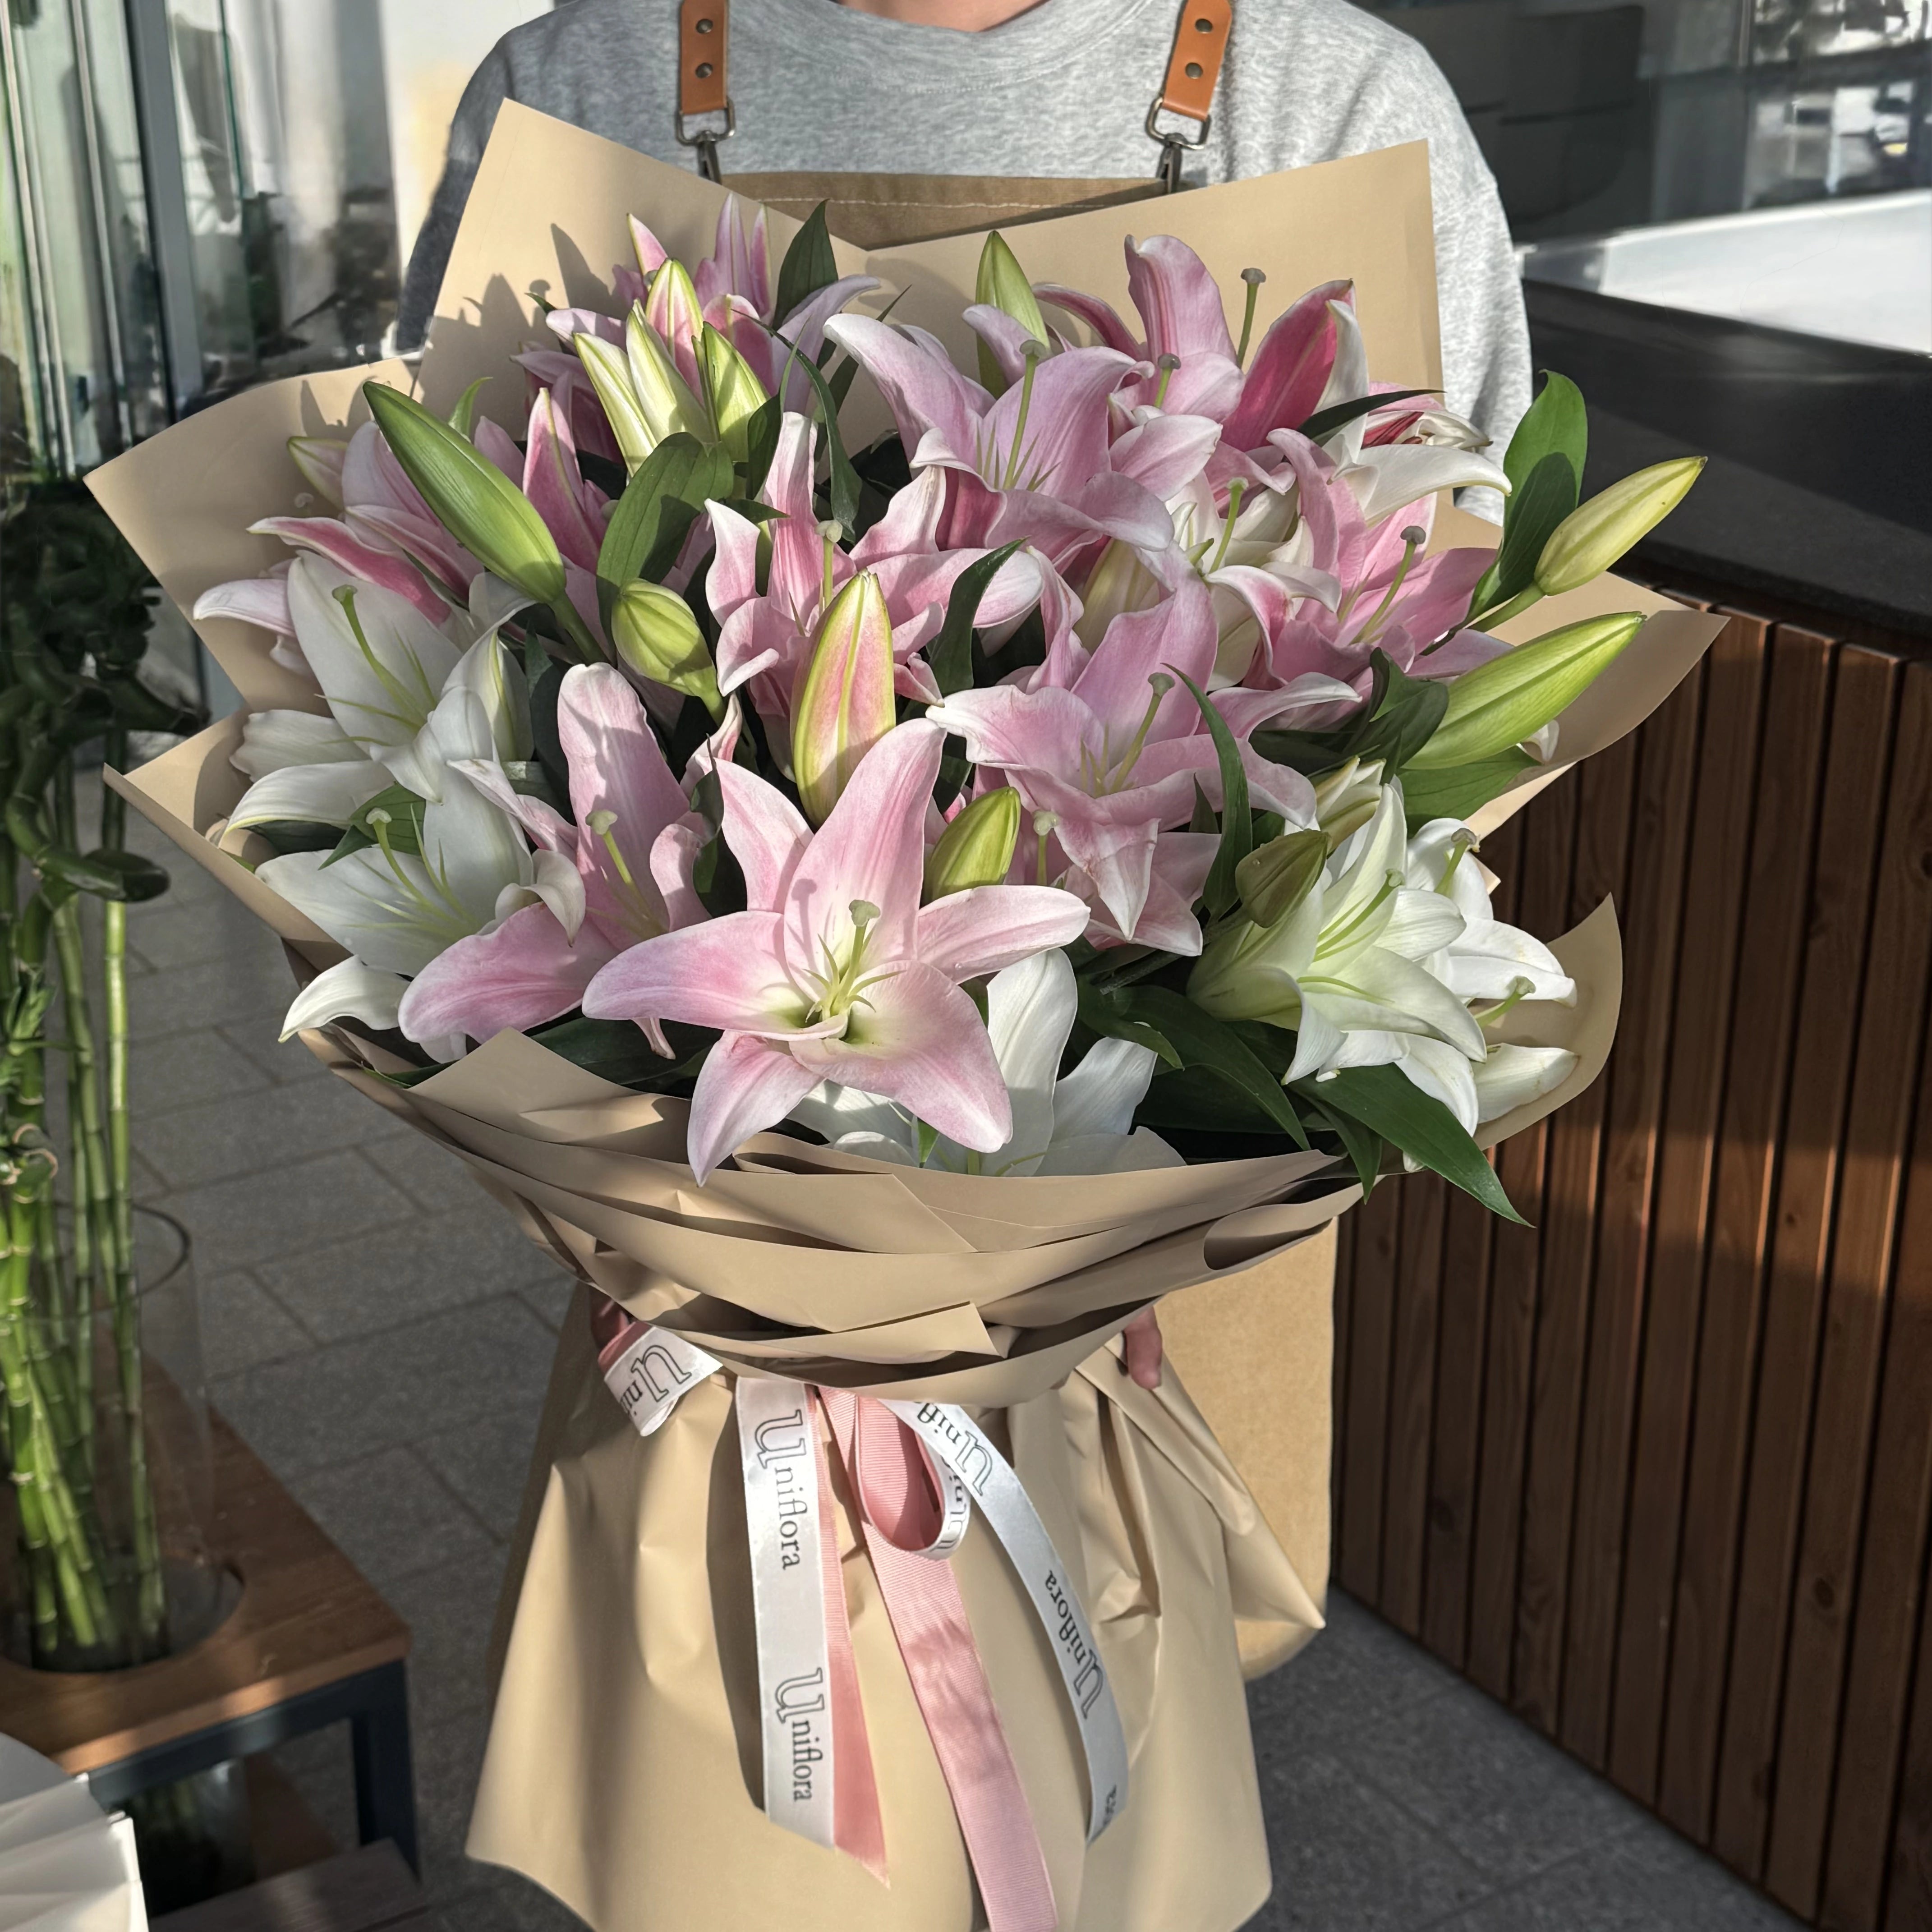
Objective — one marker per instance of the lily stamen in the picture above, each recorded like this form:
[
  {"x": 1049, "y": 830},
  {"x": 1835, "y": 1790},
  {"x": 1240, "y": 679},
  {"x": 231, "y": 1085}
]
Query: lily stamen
[
  {"x": 1519, "y": 990},
  {"x": 1337, "y": 938},
  {"x": 1166, "y": 365},
  {"x": 423, "y": 699},
  {"x": 1238, "y": 488},
  {"x": 1463, "y": 843},
  {"x": 1032, "y": 351},
  {"x": 1413, "y": 539},
  {"x": 1044, "y": 824},
  {"x": 1254, "y": 278},
  {"x": 1118, "y": 774}
]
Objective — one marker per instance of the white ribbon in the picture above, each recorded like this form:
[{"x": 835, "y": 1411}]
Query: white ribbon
[
  {"x": 654, "y": 1374},
  {"x": 992, "y": 1481},
  {"x": 778, "y": 1442},
  {"x": 778, "y": 1451}
]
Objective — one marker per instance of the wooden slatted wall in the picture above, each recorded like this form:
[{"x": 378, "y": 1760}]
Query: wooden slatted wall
[{"x": 1657, "y": 1472}]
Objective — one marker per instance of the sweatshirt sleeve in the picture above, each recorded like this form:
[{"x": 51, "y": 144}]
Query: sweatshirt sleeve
[
  {"x": 1486, "y": 357},
  {"x": 469, "y": 135}
]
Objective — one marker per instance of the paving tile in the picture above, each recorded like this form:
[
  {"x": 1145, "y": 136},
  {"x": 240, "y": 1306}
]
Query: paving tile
[
  {"x": 1508, "y": 1801},
  {"x": 549, "y": 1297},
  {"x": 240, "y": 1326},
  {"x": 235, "y": 1223},
  {"x": 391, "y": 1516},
  {"x": 513, "y": 1904},
  {"x": 487, "y": 1463},
  {"x": 1347, "y": 1858},
  {"x": 432, "y": 1176},
  {"x": 450, "y": 1610},
  {"x": 250, "y": 1132},
  {"x": 283, "y": 1061},
  {"x": 1356, "y": 1671},
  {"x": 449, "y": 1761},
  {"x": 243, "y": 984},
  {"x": 188, "y": 1069},
  {"x": 1647, "y": 1880},
  {"x": 183, "y": 928},
  {"x": 354, "y": 1398},
  {"x": 393, "y": 1275}
]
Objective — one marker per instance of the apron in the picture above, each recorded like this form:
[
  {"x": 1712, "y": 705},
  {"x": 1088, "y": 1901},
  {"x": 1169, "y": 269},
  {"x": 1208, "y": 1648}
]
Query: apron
[{"x": 1256, "y": 1351}]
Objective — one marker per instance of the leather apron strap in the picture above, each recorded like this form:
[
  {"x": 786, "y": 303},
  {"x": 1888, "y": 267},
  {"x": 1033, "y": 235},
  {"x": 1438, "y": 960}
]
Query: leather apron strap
[{"x": 875, "y": 210}]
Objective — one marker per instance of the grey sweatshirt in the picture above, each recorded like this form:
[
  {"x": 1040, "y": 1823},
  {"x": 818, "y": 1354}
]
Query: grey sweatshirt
[{"x": 1061, "y": 91}]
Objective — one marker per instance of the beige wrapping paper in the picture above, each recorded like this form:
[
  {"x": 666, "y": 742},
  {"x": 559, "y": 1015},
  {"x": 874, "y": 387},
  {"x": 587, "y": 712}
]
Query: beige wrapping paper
[{"x": 623, "y": 1769}]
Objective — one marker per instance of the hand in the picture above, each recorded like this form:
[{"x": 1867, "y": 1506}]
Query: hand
[{"x": 1141, "y": 1340}]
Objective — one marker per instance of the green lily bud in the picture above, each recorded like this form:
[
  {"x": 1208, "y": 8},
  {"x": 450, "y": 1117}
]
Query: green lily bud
[
  {"x": 320, "y": 459},
  {"x": 663, "y": 394},
  {"x": 609, "y": 370},
  {"x": 657, "y": 636},
  {"x": 1275, "y": 879},
  {"x": 733, "y": 391},
  {"x": 977, "y": 849},
  {"x": 473, "y": 499},
  {"x": 844, "y": 704},
  {"x": 1512, "y": 697},
  {"x": 1596, "y": 534},
  {"x": 1003, "y": 285}
]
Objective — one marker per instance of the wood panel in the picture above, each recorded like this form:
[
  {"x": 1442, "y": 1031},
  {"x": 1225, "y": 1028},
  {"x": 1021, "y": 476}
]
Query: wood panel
[{"x": 1657, "y": 1471}]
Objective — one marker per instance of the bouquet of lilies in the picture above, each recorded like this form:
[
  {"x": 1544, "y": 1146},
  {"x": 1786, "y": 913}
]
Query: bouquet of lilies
[{"x": 1079, "y": 779}]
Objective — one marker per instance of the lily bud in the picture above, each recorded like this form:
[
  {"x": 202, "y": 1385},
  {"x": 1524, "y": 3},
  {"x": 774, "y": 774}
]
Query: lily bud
[
  {"x": 844, "y": 705},
  {"x": 1003, "y": 285},
  {"x": 657, "y": 636},
  {"x": 1512, "y": 697},
  {"x": 675, "y": 315},
  {"x": 664, "y": 396},
  {"x": 733, "y": 391},
  {"x": 320, "y": 459},
  {"x": 1596, "y": 534},
  {"x": 977, "y": 849},
  {"x": 1275, "y": 879},
  {"x": 473, "y": 499},
  {"x": 609, "y": 370}
]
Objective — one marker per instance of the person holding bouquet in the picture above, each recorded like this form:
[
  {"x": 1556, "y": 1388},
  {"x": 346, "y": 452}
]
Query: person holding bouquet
[{"x": 920, "y": 117}]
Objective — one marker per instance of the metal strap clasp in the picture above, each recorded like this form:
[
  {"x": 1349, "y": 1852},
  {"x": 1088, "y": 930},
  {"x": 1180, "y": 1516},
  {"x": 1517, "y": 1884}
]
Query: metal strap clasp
[
  {"x": 704, "y": 88},
  {"x": 1193, "y": 73}
]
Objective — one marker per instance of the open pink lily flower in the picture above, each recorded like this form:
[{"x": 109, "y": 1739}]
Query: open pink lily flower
[
  {"x": 1040, "y": 462},
  {"x": 835, "y": 971},
  {"x": 766, "y": 636},
  {"x": 1107, "y": 747},
  {"x": 635, "y": 843},
  {"x": 1388, "y": 595}
]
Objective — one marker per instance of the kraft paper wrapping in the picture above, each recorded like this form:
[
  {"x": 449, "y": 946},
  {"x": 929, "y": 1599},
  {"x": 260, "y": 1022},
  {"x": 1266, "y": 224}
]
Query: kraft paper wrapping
[{"x": 622, "y": 1770}]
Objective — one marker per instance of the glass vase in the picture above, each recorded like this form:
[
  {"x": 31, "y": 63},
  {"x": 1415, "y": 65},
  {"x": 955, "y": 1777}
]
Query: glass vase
[{"x": 106, "y": 1436}]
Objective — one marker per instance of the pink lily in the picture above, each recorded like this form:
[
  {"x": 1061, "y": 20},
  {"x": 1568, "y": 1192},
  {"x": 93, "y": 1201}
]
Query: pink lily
[
  {"x": 1107, "y": 747},
  {"x": 835, "y": 971},
  {"x": 1039, "y": 463},
  {"x": 765, "y": 637},
  {"x": 1387, "y": 596},
  {"x": 634, "y": 844}
]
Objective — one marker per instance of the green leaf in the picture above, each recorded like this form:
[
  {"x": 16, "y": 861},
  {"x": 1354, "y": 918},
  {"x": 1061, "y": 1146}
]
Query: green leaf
[
  {"x": 1202, "y": 819},
  {"x": 1103, "y": 1013},
  {"x": 1401, "y": 716},
  {"x": 618, "y": 1051},
  {"x": 1539, "y": 503},
  {"x": 1197, "y": 1099},
  {"x": 117, "y": 876},
  {"x": 1324, "y": 423},
  {"x": 1388, "y": 1102},
  {"x": 1199, "y": 1039},
  {"x": 1363, "y": 1147},
  {"x": 297, "y": 834},
  {"x": 844, "y": 479},
  {"x": 809, "y": 264},
  {"x": 1238, "y": 830},
  {"x": 761, "y": 444},
  {"x": 928, "y": 1139},
  {"x": 463, "y": 417},
  {"x": 1555, "y": 424},
  {"x": 404, "y": 830},
  {"x": 652, "y": 518},
  {"x": 1455, "y": 791},
  {"x": 950, "y": 654}
]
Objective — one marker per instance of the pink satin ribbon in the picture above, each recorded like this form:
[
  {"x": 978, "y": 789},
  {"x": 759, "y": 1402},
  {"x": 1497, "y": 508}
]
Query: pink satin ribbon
[
  {"x": 895, "y": 1490},
  {"x": 899, "y": 1508}
]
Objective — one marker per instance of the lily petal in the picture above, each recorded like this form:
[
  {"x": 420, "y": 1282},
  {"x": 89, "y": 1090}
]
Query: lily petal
[{"x": 348, "y": 991}]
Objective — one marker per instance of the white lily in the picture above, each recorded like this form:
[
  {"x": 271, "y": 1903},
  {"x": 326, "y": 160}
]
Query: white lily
[
  {"x": 396, "y": 911},
  {"x": 383, "y": 668},
  {"x": 1486, "y": 960},
  {"x": 1081, "y": 1124}
]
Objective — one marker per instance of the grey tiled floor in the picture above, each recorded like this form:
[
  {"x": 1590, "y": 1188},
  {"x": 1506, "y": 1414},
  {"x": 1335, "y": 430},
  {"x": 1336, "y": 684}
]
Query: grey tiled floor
[{"x": 380, "y": 1334}]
